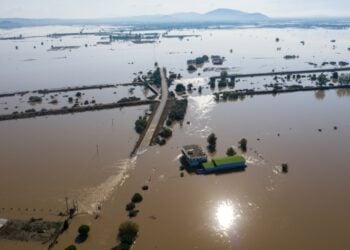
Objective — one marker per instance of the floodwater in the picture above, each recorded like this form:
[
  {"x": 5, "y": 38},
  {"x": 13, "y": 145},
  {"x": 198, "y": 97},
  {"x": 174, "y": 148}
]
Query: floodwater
[{"x": 86, "y": 156}]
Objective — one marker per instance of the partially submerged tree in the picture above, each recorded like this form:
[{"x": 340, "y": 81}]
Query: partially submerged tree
[
  {"x": 128, "y": 232},
  {"x": 212, "y": 142},
  {"x": 243, "y": 144}
]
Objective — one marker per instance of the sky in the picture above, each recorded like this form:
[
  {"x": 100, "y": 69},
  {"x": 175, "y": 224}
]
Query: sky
[{"x": 122, "y": 8}]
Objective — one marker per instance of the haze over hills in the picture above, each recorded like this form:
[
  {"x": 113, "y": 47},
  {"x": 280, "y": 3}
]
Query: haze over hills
[{"x": 218, "y": 16}]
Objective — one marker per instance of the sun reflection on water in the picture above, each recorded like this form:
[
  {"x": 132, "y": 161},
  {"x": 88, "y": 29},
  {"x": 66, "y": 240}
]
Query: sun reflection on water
[{"x": 226, "y": 215}]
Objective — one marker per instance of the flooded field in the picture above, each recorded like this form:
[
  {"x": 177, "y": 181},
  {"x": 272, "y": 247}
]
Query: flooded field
[
  {"x": 83, "y": 157},
  {"x": 253, "y": 50},
  {"x": 86, "y": 157}
]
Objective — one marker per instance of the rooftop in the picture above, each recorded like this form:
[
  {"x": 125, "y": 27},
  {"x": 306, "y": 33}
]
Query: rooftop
[
  {"x": 223, "y": 160},
  {"x": 193, "y": 151}
]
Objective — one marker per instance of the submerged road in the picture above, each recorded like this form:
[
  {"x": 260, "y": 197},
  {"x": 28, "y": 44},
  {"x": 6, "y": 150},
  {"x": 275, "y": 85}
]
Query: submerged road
[
  {"x": 295, "y": 72},
  {"x": 147, "y": 139}
]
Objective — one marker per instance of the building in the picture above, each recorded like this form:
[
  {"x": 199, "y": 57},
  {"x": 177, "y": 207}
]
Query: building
[
  {"x": 215, "y": 165},
  {"x": 194, "y": 155}
]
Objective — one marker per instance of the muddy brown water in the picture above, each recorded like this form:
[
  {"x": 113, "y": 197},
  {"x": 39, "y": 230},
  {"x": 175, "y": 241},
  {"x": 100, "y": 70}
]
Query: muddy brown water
[
  {"x": 259, "y": 208},
  {"x": 44, "y": 160}
]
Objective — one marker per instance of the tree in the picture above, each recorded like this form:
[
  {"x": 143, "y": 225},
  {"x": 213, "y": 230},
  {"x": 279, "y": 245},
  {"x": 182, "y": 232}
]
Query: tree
[
  {"x": 180, "y": 87},
  {"x": 189, "y": 87},
  {"x": 322, "y": 79},
  {"x": 191, "y": 68},
  {"x": 243, "y": 144},
  {"x": 130, "y": 206},
  {"x": 84, "y": 230},
  {"x": 166, "y": 132},
  {"x": 71, "y": 247},
  {"x": 335, "y": 76},
  {"x": 212, "y": 142},
  {"x": 223, "y": 75},
  {"x": 128, "y": 232},
  {"x": 136, "y": 198},
  {"x": 200, "y": 89},
  {"x": 141, "y": 124},
  {"x": 230, "y": 152}
]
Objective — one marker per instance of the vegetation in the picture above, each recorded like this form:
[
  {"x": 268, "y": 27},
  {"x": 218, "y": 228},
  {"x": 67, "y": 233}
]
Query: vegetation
[
  {"x": 191, "y": 68},
  {"x": 212, "y": 142},
  {"x": 71, "y": 247},
  {"x": 156, "y": 78},
  {"x": 140, "y": 124},
  {"x": 189, "y": 87},
  {"x": 243, "y": 144},
  {"x": 127, "y": 233},
  {"x": 178, "y": 111},
  {"x": 344, "y": 79},
  {"x": 212, "y": 84},
  {"x": 322, "y": 80},
  {"x": 137, "y": 198},
  {"x": 83, "y": 231},
  {"x": 180, "y": 88},
  {"x": 230, "y": 152},
  {"x": 130, "y": 206},
  {"x": 78, "y": 94},
  {"x": 166, "y": 132},
  {"x": 200, "y": 89},
  {"x": 35, "y": 99},
  {"x": 284, "y": 167}
]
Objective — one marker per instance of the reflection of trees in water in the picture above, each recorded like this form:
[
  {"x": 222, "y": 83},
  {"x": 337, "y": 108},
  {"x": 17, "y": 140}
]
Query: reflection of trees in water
[
  {"x": 320, "y": 94},
  {"x": 343, "y": 92}
]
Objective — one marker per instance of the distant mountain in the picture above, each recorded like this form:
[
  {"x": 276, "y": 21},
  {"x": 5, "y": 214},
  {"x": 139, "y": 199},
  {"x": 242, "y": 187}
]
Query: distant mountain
[
  {"x": 218, "y": 16},
  {"x": 215, "y": 16}
]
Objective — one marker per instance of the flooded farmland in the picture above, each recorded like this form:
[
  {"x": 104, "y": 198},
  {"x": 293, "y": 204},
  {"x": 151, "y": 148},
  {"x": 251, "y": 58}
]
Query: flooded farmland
[{"x": 86, "y": 157}]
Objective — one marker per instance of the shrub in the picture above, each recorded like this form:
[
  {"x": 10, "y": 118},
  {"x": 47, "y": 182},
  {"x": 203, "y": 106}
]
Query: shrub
[
  {"x": 71, "y": 247},
  {"x": 128, "y": 232},
  {"x": 191, "y": 68},
  {"x": 130, "y": 206},
  {"x": 136, "y": 198},
  {"x": 84, "y": 230},
  {"x": 35, "y": 99},
  {"x": 230, "y": 152},
  {"x": 133, "y": 213},
  {"x": 140, "y": 124},
  {"x": 166, "y": 132},
  {"x": 178, "y": 111}
]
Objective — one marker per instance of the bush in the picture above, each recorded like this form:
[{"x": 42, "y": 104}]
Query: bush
[
  {"x": 124, "y": 246},
  {"x": 128, "y": 232},
  {"x": 191, "y": 68},
  {"x": 230, "y": 152},
  {"x": 130, "y": 206},
  {"x": 133, "y": 213},
  {"x": 141, "y": 124},
  {"x": 84, "y": 230},
  {"x": 71, "y": 247},
  {"x": 136, "y": 198},
  {"x": 166, "y": 132},
  {"x": 35, "y": 99},
  {"x": 177, "y": 112}
]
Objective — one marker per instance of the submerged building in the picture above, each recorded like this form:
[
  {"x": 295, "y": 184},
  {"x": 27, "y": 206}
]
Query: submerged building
[
  {"x": 196, "y": 159},
  {"x": 194, "y": 155}
]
